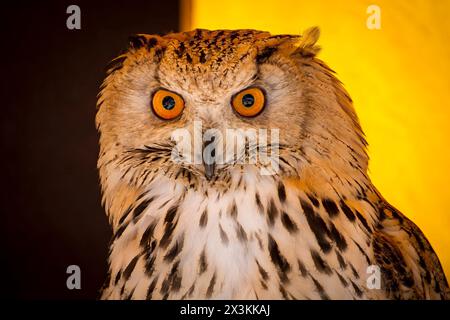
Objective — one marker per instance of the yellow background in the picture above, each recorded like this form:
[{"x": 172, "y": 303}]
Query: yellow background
[{"x": 398, "y": 77}]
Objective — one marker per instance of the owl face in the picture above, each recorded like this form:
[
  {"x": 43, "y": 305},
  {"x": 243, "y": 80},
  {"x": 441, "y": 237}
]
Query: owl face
[{"x": 180, "y": 103}]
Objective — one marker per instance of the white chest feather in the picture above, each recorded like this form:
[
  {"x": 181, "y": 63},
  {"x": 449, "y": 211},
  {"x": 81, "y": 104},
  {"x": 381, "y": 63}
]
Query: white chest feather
[{"x": 259, "y": 240}]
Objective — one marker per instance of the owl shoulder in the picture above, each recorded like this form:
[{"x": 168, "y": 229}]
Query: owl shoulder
[{"x": 409, "y": 266}]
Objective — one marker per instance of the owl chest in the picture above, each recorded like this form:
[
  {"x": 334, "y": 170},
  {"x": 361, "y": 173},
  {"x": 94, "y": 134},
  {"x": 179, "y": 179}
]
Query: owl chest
[{"x": 244, "y": 245}]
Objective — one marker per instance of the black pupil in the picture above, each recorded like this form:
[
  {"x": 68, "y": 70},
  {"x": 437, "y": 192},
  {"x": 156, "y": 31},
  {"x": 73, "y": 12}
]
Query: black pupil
[
  {"x": 168, "y": 103},
  {"x": 248, "y": 100}
]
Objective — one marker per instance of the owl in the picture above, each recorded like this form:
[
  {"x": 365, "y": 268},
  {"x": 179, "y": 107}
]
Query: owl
[{"x": 217, "y": 222}]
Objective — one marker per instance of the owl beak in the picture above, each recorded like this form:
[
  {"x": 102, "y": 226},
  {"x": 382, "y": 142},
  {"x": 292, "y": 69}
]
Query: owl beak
[{"x": 209, "y": 154}]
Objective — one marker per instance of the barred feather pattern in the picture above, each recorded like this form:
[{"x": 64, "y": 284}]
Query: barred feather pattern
[{"x": 266, "y": 239}]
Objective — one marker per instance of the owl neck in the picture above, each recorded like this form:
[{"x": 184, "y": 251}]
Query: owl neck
[{"x": 322, "y": 181}]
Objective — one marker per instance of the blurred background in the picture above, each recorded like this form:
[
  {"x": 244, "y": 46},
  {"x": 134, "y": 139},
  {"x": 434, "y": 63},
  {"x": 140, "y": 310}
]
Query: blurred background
[
  {"x": 51, "y": 215},
  {"x": 396, "y": 71}
]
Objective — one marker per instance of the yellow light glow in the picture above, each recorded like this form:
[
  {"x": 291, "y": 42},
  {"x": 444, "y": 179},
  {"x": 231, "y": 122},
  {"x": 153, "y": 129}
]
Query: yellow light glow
[{"x": 398, "y": 77}]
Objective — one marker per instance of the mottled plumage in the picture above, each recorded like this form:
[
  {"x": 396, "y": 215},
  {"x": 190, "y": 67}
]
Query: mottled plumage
[{"x": 308, "y": 232}]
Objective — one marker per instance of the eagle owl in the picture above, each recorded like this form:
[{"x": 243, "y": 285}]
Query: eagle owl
[{"x": 311, "y": 229}]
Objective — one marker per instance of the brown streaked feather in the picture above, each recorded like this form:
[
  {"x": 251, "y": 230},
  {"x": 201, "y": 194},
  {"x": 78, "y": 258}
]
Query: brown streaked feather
[{"x": 409, "y": 266}]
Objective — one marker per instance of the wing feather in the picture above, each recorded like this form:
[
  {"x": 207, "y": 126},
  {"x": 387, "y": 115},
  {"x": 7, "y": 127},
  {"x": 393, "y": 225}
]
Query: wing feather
[{"x": 410, "y": 267}]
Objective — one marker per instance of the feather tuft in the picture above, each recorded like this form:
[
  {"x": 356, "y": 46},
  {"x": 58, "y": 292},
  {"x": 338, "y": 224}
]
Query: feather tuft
[{"x": 307, "y": 45}]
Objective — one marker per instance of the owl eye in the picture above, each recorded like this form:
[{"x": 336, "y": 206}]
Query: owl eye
[
  {"x": 249, "y": 102},
  {"x": 167, "y": 105}
]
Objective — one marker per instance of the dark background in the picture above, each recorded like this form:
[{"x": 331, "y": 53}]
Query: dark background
[{"x": 51, "y": 214}]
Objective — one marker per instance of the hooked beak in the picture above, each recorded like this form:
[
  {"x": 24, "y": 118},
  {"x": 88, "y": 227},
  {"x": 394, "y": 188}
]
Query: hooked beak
[{"x": 209, "y": 155}]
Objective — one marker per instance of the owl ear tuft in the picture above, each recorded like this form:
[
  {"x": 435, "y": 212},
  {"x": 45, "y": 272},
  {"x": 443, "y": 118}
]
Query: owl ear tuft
[
  {"x": 138, "y": 41},
  {"x": 306, "y": 46}
]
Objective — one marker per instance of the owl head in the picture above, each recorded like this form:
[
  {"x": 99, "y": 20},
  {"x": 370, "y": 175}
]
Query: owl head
[{"x": 192, "y": 90}]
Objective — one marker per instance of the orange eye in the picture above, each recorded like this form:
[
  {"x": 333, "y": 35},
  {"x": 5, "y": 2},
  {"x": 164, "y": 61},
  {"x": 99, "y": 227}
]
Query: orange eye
[
  {"x": 167, "y": 105},
  {"x": 249, "y": 102}
]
